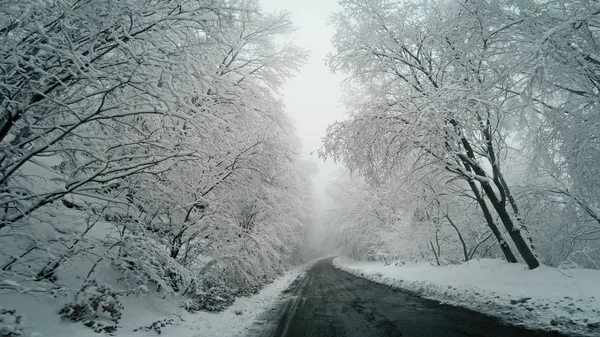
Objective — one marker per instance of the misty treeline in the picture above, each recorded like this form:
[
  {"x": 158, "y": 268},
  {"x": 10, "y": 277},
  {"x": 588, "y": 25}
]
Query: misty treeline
[
  {"x": 472, "y": 131},
  {"x": 142, "y": 143}
]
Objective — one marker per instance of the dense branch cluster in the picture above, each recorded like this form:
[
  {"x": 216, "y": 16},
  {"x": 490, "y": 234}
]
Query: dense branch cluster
[
  {"x": 474, "y": 127},
  {"x": 142, "y": 143}
]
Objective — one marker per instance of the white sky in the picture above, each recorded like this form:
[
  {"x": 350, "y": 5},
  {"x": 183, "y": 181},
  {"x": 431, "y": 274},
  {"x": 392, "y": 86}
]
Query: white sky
[{"x": 312, "y": 98}]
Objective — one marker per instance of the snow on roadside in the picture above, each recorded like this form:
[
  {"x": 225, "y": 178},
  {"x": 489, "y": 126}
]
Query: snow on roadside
[
  {"x": 41, "y": 314},
  {"x": 240, "y": 316},
  {"x": 546, "y": 298}
]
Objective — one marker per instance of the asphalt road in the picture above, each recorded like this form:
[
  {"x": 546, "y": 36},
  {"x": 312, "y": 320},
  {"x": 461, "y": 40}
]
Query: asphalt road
[{"x": 327, "y": 302}]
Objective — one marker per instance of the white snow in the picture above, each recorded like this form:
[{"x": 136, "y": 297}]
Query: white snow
[
  {"x": 41, "y": 316},
  {"x": 11, "y": 283},
  {"x": 546, "y": 298}
]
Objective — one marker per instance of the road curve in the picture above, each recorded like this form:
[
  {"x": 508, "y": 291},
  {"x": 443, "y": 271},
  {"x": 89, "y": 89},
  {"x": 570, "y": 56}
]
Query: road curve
[{"x": 327, "y": 302}]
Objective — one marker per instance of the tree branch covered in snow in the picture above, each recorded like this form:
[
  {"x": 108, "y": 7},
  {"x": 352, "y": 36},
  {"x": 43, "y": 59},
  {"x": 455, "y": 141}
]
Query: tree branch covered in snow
[
  {"x": 497, "y": 98},
  {"x": 144, "y": 139}
]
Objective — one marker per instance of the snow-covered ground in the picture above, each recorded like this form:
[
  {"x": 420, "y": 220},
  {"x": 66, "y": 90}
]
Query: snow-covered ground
[
  {"x": 41, "y": 318},
  {"x": 545, "y": 298}
]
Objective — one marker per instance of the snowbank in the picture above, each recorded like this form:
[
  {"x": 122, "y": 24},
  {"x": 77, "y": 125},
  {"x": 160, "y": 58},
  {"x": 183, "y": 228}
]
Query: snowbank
[
  {"x": 546, "y": 298},
  {"x": 40, "y": 314}
]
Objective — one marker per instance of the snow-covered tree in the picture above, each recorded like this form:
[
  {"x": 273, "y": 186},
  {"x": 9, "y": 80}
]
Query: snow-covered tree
[
  {"x": 431, "y": 96},
  {"x": 146, "y": 137},
  {"x": 500, "y": 95}
]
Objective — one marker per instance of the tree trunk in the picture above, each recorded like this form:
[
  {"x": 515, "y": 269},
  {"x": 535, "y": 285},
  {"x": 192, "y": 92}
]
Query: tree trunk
[
  {"x": 471, "y": 166},
  {"x": 514, "y": 232},
  {"x": 437, "y": 243},
  {"x": 8, "y": 124},
  {"x": 515, "y": 208},
  {"x": 508, "y": 254},
  {"x": 462, "y": 241},
  {"x": 526, "y": 250},
  {"x": 499, "y": 205},
  {"x": 434, "y": 253}
]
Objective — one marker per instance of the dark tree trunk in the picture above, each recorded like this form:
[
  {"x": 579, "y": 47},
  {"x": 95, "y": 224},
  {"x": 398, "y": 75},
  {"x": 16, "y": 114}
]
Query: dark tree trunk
[
  {"x": 434, "y": 253},
  {"x": 499, "y": 204},
  {"x": 514, "y": 232},
  {"x": 8, "y": 124},
  {"x": 525, "y": 249},
  {"x": 468, "y": 163},
  {"x": 515, "y": 208},
  {"x": 462, "y": 241},
  {"x": 437, "y": 243},
  {"x": 508, "y": 254}
]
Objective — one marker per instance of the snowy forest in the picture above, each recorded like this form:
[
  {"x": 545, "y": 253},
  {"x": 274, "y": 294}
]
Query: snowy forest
[
  {"x": 142, "y": 144},
  {"x": 472, "y": 131},
  {"x": 146, "y": 151}
]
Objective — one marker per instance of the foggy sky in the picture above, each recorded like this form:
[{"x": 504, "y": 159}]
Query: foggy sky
[{"x": 312, "y": 98}]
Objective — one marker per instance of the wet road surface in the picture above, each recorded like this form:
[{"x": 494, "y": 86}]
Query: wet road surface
[{"x": 327, "y": 302}]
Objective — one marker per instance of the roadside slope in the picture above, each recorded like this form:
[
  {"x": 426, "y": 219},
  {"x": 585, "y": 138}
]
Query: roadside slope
[{"x": 141, "y": 315}]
